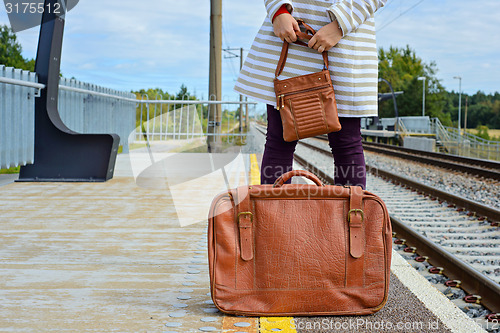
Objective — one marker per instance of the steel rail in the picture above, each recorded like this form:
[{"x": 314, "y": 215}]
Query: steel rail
[
  {"x": 22, "y": 83},
  {"x": 473, "y": 282},
  {"x": 416, "y": 155},
  {"x": 492, "y": 214},
  {"x": 462, "y": 160},
  {"x": 495, "y": 165}
]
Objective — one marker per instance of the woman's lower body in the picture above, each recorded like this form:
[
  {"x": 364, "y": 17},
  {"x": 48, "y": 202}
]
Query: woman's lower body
[{"x": 346, "y": 147}]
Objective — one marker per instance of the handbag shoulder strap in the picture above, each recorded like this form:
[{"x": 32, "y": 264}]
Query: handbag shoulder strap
[{"x": 284, "y": 50}]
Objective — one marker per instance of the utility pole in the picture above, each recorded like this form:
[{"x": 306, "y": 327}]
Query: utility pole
[
  {"x": 466, "y": 103},
  {"x": 214, "y": 82},
  {"x": 422, "y": 78},
  {"x": 241, "y": 96},
  {"x": 459, "y": 78}
]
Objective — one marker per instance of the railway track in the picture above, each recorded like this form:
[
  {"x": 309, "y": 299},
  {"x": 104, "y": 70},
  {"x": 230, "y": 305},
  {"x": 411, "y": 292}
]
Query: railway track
[
  {"x": 448, "y": 238},
  {"x": 473, "y": 166},
  {"x": 459, "y": 202}
]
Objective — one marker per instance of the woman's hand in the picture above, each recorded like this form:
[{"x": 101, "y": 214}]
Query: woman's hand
[
  {"x": 284, "y": 26},
  {"x": 326, "y": 37}
]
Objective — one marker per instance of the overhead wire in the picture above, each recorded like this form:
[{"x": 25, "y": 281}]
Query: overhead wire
[
  {"x": 224, "y": 37},
  {"x": 401, "y": 14},
  {"x": 390, "y": 2}
]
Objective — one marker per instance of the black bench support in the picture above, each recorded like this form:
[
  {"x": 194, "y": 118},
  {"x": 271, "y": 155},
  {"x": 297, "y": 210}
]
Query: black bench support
[{"x": 62, "y": 155}]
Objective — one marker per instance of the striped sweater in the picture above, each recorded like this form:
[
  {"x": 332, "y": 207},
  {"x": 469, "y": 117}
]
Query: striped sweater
[{"x": 353, "y": 61}]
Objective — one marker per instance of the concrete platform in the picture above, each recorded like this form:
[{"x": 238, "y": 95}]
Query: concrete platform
[
  {"x": 8, "y": 178},
  {"x": 113, "y": 257},
  {"x": 378, "y": 133}
]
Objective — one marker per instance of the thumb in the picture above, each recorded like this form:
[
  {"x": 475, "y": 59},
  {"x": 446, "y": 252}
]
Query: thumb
[{"x": 295, "y": 25}]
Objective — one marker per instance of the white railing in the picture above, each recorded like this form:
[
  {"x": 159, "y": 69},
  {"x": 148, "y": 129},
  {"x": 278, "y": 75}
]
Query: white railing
[
  {"x": 401, "y": 128},
  {"x": 83, "y": 107},
  {"x": 465, "y": 144},
  {"x": 469, "y": 145},
  {"x": 168, "y": 119},
  {"x": 87, "y": 108}
]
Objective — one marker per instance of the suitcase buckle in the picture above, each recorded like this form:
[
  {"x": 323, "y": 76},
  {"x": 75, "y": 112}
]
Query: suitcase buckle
[
  {"x": 355, "y": 211},
  {"x": 245, "y": 213}
]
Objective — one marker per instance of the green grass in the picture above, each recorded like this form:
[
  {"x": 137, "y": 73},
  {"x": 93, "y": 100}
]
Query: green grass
[{"x": 10, "y": 170}]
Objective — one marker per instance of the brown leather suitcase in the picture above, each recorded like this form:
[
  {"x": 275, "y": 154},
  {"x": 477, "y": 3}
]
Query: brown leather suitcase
[{"x": 299, "y": 249}]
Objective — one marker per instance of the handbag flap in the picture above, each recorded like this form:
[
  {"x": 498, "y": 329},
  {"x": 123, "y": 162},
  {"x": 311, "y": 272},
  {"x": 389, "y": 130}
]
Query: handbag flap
[{"x": 303, "y": 83}]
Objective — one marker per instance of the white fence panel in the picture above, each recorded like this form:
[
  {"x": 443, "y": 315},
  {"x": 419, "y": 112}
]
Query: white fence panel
[
  {"x": 89, "y": 109},
  {"x": 17, "y": 118}
]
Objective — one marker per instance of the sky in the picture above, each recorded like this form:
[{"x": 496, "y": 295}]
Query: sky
[{"x": 125, "y": 45}]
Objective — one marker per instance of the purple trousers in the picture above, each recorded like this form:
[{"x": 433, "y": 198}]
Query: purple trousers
[{"x": 346, "y": 147}]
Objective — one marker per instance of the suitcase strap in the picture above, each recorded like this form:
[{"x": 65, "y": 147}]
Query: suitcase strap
[
  {"x": 355, "y": 219},
  {"x": 244, "y": 218}
]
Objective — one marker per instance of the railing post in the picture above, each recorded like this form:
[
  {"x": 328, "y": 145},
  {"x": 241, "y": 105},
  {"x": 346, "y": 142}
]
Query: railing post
[
  {"x": 141, "y": 135},
  {"x": 168, "y": 120},
  {"x": 187, "y": 118},
  {"x": 195, "y": 115},
  {"x": 181, "y": 112}
]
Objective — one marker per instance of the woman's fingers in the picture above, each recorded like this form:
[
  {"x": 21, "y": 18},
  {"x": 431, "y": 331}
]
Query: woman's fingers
[
  {"x": 319, "y": 43},
  {"x": 295, "y": 26},
  {"x": 326, "y": 37},
  {"x": 289, "y": 35},
  {"x": 313, "y": 42},
  {"x": 285, "y": 26},
  {"x": 290, "y": 38}
]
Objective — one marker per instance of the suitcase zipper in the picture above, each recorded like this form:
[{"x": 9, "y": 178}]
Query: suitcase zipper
[{"x": 281, "y": 98}]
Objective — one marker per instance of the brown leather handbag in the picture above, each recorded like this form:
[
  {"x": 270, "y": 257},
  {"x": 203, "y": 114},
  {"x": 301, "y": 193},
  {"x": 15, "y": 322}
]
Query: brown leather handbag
[
  {"x": 307, "y": 102},
  {"x": 299, "y": 250}
]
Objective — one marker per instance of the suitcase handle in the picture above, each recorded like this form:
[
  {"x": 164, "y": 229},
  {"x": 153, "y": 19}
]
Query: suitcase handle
[{"x": 286, "y": 176}]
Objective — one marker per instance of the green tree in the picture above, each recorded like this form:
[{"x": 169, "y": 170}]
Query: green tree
[
  {"x": 10, "y": 51},
  {"x": 159, "y": 94},
  {"x": 482, "y": 131},
  {"x": 402, "y": 68},
  {"x": 183, "y": 93},
  {"x": 482, "y": 109}
]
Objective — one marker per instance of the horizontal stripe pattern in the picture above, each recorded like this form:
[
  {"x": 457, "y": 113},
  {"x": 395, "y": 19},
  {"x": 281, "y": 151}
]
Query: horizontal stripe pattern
[{"x": 353, "y": 61}]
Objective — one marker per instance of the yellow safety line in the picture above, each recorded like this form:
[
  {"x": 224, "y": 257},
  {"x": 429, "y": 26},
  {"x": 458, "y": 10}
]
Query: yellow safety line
[
  {"x": 254, "y": 170},
  {"x": 285, "y": 324}
]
